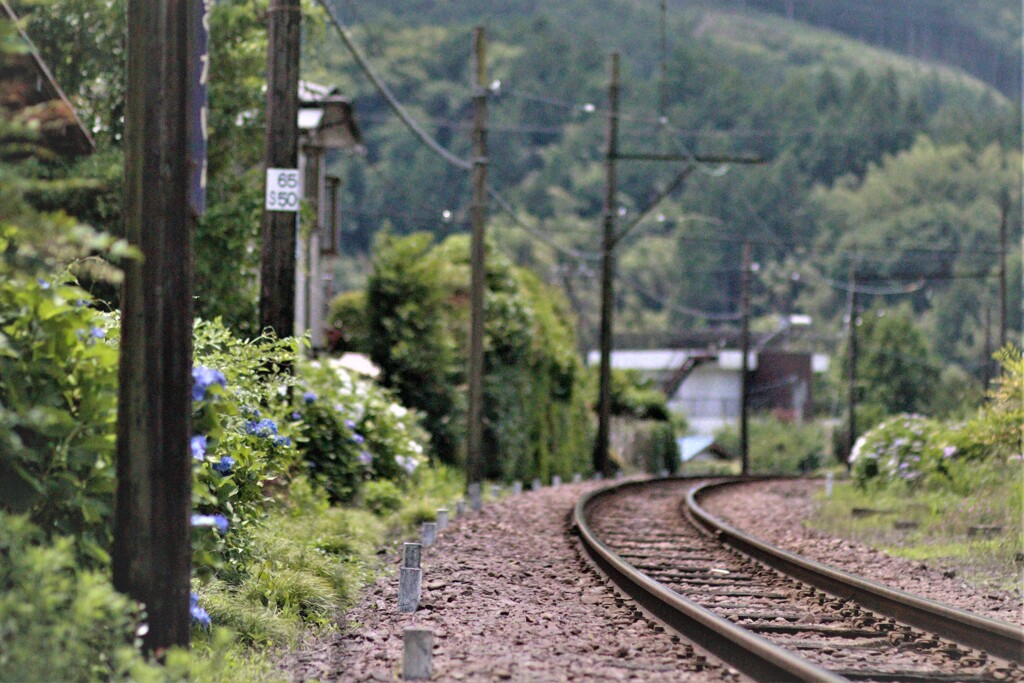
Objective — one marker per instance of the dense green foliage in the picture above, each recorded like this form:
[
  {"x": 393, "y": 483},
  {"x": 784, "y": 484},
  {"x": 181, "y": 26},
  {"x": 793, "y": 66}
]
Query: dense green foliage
[
  {"x": 57, "y": 620},
  {"x": 633, "y": 396},
  {"x": 867, "y": 154},
  {"x": 986, "y": 46},
  {"x": 912, "y": 451},
  {"x": 778, "y": 447},
  {"x": 409, "y": 340},
  {"x": 536, "y": 421}
]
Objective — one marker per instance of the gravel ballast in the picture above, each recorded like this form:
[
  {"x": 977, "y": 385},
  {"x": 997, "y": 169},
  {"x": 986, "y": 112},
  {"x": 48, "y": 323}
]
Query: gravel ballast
[
  {"x": 776, "y": 511},
  {"x": 506, "y": 597}
]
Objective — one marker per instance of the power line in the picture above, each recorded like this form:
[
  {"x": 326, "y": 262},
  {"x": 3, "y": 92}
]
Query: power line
[
  {"x": 514, "y": 215},
  {"x": 686, "y": 310},
  {"x": 392, "y": 101}
]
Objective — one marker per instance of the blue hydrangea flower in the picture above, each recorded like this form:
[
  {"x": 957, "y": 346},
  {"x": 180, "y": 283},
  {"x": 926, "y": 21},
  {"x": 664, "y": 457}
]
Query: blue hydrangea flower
[
  {"x": 203, "y": 379},
  {"x": 407, "y": 463},
  {"x": 225, "y": 464},
  {"x": 350, "y": 424},
  {"x": 282, "y": 441},
  {"x": 265, "y": 427},
  {"x": 219, "y": 521},
  {"x": 199, "y": 615},
  {"x": 357, "y": 438},
  {"x": 296, "y": 416},
  {"x": 198, "y": 444},
  {"x": 250, "y": 412},
  {"x": 309, "y": 397},
  {"x": 97, "y": 332},
  {"x": 43, "y": 283},
  {"x": 365, "y": 457}
]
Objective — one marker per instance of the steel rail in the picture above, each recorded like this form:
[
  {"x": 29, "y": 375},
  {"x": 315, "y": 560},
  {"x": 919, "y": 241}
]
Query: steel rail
[
  {"x": 748, "y": 652},
  {"x": 997, "y": 638}
]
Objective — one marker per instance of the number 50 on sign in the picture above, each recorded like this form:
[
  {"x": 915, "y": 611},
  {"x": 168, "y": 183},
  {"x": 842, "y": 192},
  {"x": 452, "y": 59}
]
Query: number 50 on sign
[{"x": 283, "y": 191}]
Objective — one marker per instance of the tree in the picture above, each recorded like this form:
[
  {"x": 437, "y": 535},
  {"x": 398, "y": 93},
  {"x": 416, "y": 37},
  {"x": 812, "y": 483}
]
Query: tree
[
  {"x": 896, "y": 370},
  {"x": 409, "y": 338}
]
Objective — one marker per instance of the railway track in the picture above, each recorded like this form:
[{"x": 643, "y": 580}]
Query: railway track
[{"x": 774, "y": 615}]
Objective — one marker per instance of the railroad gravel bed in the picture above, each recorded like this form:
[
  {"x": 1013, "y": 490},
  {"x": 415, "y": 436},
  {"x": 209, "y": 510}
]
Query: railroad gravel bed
[
  {"x": 776, "y": 511},
  {"x": 505, "y": 596}
]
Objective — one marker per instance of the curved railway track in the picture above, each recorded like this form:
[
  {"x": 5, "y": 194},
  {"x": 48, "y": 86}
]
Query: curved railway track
[{"x": 774, "y": 615}]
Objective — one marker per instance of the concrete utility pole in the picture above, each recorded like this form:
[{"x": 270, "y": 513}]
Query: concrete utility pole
[
  {"x": 745, "y": 362},
  {"x": 277, "y": 255},
  {"x": 165, "y": 162},
  {"x": 478, "y": 211},
  {"x": 601, "y": 460},
  {"x": 851, "y": 370}
]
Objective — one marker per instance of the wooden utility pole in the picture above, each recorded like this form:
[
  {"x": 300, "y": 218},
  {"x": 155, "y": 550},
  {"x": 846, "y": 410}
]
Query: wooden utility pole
[
  {"x": 277, "y": 255},
  {"x": 851, "y": 370},
  {"x": 165, "y": 155},
  {"x": 478, "y": 214},
  {"x": 602, "y": 463},
  {"x": 987, "y": 349},
  {"x": 1004, "y": 213},
  {"x": 745, "y": 362}
]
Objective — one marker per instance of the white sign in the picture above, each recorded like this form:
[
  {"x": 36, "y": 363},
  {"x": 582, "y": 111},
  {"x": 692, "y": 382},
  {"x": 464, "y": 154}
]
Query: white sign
[{"x": 283, "y": 191}]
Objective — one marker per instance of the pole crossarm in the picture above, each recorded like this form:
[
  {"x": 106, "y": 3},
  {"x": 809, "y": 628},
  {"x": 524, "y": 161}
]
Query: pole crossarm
[{"x": 673, "y": 186}]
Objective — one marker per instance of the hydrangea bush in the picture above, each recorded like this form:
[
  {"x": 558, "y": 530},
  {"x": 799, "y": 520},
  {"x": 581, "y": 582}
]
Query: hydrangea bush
[
  {"x": 352, "y": 430},
  {"x": 901, "y": 448}
]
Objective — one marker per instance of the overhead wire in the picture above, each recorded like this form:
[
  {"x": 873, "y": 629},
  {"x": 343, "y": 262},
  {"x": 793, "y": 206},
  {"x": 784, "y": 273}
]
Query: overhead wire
[
  {"x": 693, "y": 312},
  {"x": 518, "y": 220},
  {"x": 392, "y": 101},
  {"x": 430, "y": 142}
]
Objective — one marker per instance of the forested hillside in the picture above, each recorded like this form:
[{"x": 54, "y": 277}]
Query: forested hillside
[
  {"x": 982, "y": 37},
  {"x": 839, "y": 124}
]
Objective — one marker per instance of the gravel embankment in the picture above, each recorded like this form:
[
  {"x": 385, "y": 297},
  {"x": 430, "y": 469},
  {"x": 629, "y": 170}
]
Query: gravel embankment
[
  {"x": 506, "y": 598},
  {"x": 776, "y": 511}
]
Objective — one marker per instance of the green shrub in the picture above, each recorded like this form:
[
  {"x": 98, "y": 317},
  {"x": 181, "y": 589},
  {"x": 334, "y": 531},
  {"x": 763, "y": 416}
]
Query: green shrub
[
  {"x": 901, "y": 448},
  {"x": 382, "y": 497},
  {"x": 634, "y": 396},
  {"x": 535, "y": 421},
  {"x": 59, "y": 622},
  {"x": 409, "y": 339},
  {"x": 58, "y": 403},
  {"x": 347, "y": 325},
  {"x": 778, "y": 447},
  {"x": 664, "y": 449},
  {"x": 351, "y": 430}
]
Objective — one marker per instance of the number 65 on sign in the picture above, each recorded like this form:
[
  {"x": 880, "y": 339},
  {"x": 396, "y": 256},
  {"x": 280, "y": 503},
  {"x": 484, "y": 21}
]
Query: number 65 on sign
[{"x": 283, "y": 191}]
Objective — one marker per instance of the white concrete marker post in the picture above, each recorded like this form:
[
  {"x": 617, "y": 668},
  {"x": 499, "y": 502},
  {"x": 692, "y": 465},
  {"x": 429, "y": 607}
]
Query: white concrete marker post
[
  {"x": 556, "y": 480},
  {"x": 429, "y": 534},
  {"x": 460, "y": 509},
  {"x": 411, "y": 555},
  {"x": 828, "y": 484},
  {"x": 517, "y": 488},
  {"x": 476, "y": 500},
  {"x": 442, "y": 519},
  {"x": 577, "y": 478},
  {"x": 410, "y": 580},
  {"x": 495, "y": 492},
  {"x": 536, "y": 484},
  {"x": 663, "y": 474},
  {"x": 417, "y": 653}
]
